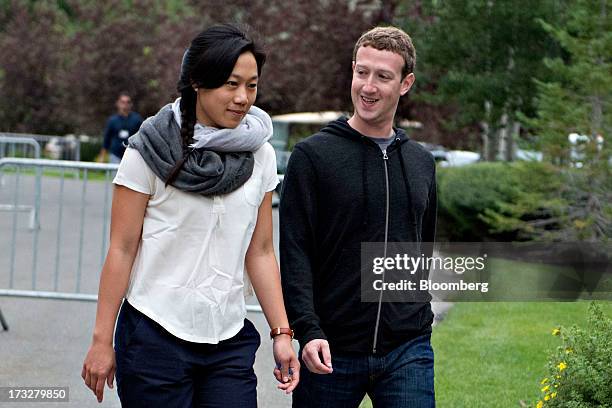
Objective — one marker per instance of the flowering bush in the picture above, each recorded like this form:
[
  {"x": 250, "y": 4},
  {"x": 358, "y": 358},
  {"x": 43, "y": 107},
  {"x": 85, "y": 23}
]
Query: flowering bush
[{"x": 580, "y": 370}]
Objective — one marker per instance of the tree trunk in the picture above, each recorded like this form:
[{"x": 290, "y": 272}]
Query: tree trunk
[
  {"x": 503, "y": 137},
  {"x": 508, "y": 137},
  {"x": 596, "y": 115},
  {"x": 514, "y": 136},
  {"x": 486, "y": 132},
  {"x": 494, "y": 144}
]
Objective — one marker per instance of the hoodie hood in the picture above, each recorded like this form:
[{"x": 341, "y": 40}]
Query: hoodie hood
[{"x": 340, "y": 127}]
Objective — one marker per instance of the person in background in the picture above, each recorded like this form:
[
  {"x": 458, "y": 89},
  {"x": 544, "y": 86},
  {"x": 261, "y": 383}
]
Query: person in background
[{"x": 119, "y": 128}]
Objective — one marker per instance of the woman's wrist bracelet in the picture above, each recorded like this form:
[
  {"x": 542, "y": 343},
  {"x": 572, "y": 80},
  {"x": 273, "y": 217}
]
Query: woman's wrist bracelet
[{"x": 281, "y": 330}]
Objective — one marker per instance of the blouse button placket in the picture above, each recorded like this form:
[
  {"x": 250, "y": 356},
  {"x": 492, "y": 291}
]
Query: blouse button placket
[{"x": 218, "y": 206}]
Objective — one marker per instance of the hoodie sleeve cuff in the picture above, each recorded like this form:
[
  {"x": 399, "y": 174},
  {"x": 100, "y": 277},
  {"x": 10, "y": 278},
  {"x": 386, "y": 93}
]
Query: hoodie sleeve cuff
[{"x": 312, "y": 334}]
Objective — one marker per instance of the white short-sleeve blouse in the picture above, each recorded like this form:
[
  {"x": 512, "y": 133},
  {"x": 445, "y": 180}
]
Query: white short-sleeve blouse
[{"x": 188, "y": 274}]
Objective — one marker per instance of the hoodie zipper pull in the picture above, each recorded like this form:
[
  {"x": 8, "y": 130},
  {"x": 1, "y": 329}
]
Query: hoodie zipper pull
[{"x": 385, "y": 157}]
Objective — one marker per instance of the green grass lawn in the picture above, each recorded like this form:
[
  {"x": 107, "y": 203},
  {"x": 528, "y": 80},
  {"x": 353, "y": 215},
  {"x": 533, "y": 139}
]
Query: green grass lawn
[
  {"x": 68, "y": 174},
  {"x": 494, "y": 355}
]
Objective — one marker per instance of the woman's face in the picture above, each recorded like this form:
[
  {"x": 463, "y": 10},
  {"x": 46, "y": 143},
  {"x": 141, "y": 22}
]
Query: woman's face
[{"x": 224, "y": 107}]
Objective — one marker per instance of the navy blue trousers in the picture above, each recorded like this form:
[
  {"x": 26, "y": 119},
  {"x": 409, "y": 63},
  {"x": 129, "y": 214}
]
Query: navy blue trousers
[
  {"x": 403, "y": 378},
  {"x": 157, "y": 369}
]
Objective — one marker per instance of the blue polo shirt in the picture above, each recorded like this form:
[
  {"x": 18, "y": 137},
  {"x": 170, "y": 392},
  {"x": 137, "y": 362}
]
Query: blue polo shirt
[{"x": 118, "y": 130}]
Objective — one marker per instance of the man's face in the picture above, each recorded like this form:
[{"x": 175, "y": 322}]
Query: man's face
[
  {"x": 124, "y": 105},
  {"x": 377, "y": 85}
]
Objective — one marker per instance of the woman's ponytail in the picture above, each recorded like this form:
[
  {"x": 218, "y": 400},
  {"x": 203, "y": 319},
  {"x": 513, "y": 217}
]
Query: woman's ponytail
[{"x": 188, "y": 121}]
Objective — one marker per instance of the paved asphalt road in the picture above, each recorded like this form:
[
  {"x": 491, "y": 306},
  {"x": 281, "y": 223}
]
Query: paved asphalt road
[{"x": 48, "y": 339}]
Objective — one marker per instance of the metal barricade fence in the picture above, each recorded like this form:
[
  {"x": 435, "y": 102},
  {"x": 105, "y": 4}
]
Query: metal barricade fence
[
  {"x": 70, "y": 146},
  {"x": 22, "y": 147},
  {"x": 74, "y": 220},
  {"x": 11, "y": 146}
]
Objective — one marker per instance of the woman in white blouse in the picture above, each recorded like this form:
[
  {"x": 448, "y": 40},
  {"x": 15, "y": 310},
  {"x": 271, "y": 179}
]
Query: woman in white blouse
[{"x": 191, "y": 214}]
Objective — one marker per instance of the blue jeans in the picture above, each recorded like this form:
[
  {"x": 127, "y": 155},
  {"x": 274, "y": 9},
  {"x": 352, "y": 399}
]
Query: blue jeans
[
  {"x": 404, "y": 378},
  {"x": 157, "y": 369}
]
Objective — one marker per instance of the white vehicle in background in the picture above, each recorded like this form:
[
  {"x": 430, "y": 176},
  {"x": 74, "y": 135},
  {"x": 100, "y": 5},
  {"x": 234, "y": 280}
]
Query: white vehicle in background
[
  {"x": 283, "y": 125},
  {"x": 577, "y": 146},
  {"x": 528, "y": 155},
  {"x": 451, "y": 158},
  {"x": 282, "y": 128},
  {"x": 456, "y": 158}
]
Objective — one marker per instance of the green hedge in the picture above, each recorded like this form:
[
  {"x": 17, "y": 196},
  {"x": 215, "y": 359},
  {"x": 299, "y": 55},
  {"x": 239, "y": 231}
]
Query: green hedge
[
  {"x": 495, "y": 201},
  {"x": 91, "y": 149}
]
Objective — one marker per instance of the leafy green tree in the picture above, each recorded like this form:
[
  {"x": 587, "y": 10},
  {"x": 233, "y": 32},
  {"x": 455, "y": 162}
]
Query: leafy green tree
[
  {"x": 134, "y": 46},
  {"x": 578, "y": 100},
  {"x": 62, "y": 62},
  {"x": 481, "y": 56},
  {"x": 32, "y": 62}
]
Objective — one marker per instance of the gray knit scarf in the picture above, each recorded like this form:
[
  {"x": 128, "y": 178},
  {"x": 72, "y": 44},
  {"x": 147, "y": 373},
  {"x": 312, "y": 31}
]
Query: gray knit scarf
[{"x": 205, "y": 171}]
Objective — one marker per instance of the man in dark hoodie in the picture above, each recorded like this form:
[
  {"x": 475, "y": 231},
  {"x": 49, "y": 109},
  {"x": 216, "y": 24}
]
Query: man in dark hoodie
[{"x": 359, "y": 180}]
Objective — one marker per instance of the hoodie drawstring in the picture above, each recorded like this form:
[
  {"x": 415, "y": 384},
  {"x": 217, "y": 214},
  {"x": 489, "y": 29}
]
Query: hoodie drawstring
[
  {"x": 411, "y": 213},
  {"x": 364, "y": 180}
]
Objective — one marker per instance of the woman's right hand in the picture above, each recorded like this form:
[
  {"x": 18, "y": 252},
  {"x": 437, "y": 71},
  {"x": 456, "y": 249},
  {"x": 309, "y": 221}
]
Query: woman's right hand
[{"x": 99, "y": 367}]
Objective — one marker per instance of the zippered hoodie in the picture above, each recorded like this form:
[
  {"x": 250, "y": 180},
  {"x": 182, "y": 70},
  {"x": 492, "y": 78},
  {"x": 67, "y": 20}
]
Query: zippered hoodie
[{"x": 334, "y": 198}]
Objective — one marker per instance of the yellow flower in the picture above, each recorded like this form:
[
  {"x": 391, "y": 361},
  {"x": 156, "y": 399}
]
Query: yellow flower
[
  {"x": 540, "y": 404},
  {"x": 544, "y": 389},
  {"x": 553, "y": 395},
  {"x": 557, "y": 376},
  {"x": 556, "y": 331},
  {"x": 544, "y": 381},
  {"x": 569, "y": 350},
  {"x": 562, "y": 366},
  {"x": 546, "y": 397},
  {"x": 580, "y": 224}
]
